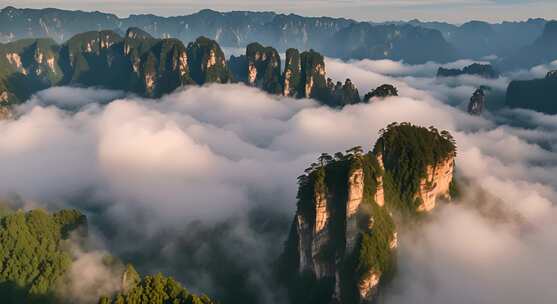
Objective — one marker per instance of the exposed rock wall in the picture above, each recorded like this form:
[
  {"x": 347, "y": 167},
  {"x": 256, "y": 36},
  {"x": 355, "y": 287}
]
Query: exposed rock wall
[
  {"x": 264, "y": 68},
  {"x": 477, "y": 102},
  {"x": 313, "y": 236},
  {"x": 292, "y": 73},
  {"x": 420, "y": 164},
  {"x": 367, "y": 286},
  {"x": 436, "y": 184},
  {"x": 328, "y": 233},
  {"x": 355, "y": 197}
]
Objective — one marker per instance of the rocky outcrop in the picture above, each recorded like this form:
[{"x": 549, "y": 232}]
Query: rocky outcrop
[
  {"x": 264, "y": 68},
  {"x": 337, "y": 215},
  {"x": 152, "y": 67},
  {"x": 343, "y": 241},
  {"x": 292, "y": 73},
  {"x": 313, "y": 238},
  {"x": 207, "y": 62},
  {"x": 537, "y": 94},
  {"x": 420, "y": 164},
  {"x": 476, "y": 69},
  {"x": 477, "y": 102},
  {"x": 382, "y": 91},
  {"x": 342, "y": 95},
  {"x": 312, "y": 78}
]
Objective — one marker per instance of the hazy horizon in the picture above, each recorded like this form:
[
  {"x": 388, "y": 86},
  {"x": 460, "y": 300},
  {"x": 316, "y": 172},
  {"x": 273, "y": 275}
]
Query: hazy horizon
[{"x": 452, "y": 11}]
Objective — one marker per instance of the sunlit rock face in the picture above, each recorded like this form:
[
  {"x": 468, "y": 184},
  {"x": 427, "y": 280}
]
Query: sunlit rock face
[
  {"x": 436, "y": 184},
  {"x": 343, "y": 241},
  {"x": 367, "y": 285},
  {"x": 420, "y": 164},
  {"x": 207, "y": 62},
  {"x": 337, "y": 218},
  {"x": 292, "y": 73},
  {"x": 264, "y": 68},
  {"x": 312, "y": 74},
  {"x": 355, "y": 197}
]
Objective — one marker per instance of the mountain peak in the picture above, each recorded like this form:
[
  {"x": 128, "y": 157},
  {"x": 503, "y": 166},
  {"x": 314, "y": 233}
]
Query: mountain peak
[{"x": 137, "y": 33}]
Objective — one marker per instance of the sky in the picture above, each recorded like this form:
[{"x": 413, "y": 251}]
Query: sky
[{"x": 455, "y": 11}]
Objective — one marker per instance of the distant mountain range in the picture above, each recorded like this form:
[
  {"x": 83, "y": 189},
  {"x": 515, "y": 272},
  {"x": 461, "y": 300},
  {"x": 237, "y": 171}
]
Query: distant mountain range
[
  {"x": 238, "y": 29},
  {"x": 413, "y": 41},
  {"x": 478, "y": 39}
]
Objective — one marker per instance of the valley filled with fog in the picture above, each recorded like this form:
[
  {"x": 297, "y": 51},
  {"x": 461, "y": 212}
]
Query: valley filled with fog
[{"x": 200, "y": 184}]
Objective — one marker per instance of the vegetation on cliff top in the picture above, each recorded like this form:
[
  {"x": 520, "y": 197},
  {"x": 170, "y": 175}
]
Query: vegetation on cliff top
[
  {"x": 156, "y": 289},
  {"x": 407, "y": 150},
  {"x": 375, "y": 227}
]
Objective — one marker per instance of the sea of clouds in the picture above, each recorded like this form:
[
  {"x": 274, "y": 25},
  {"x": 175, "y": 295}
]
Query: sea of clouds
[{"x": 204, "y": 179}]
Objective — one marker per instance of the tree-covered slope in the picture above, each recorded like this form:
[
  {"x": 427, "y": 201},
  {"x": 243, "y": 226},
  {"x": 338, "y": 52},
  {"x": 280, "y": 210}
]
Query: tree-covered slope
[
  {"x": 36, "y": 259},
  {"x": 32, "y": 254},
  {"x": 156, "y": 289}
]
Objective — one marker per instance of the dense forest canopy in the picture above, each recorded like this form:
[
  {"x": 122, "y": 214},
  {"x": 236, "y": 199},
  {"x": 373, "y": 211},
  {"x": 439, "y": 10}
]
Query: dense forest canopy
[
  {"x": 407, "y": 150},
  {"x": 34, "y": 258}
]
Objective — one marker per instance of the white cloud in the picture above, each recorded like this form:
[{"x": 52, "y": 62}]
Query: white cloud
[{"x": 215, "y": 153}]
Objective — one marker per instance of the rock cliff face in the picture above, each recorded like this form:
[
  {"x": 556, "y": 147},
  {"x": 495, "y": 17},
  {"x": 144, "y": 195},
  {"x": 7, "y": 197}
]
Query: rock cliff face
[
  {"x": 303, "y": 77},
  {"x": 207, "y": 62},
  {"x": 477, "y": 102},
  {"x": 435, "y": 184},
  {"x": 342, "y": 95},
  {"x": 292, "y": 73},
  {"x": 336, "y": 211},
  {"x": 342, "y": 245},
  {"x": 382, "y": 91},
  {"x": 537, "y": 94},
  {"x": 264, "y": 68},
  {"x": 312, "y": 75}
]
